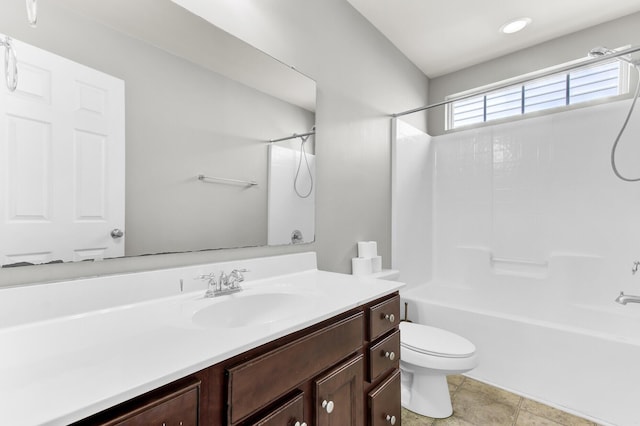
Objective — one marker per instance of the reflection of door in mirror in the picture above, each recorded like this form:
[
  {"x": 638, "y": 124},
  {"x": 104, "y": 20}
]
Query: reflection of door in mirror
[{"x": 62, "y": 179}]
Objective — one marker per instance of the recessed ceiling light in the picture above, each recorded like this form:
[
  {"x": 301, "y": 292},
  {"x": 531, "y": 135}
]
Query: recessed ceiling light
[{"x": 515, "y": 25}]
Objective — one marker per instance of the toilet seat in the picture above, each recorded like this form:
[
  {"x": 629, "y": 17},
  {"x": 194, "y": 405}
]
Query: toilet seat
[{"x": 434, "y": 341}]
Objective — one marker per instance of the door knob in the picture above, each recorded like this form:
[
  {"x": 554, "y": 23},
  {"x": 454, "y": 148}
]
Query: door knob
[
  {"x": 117, "y": 233},
  {"x": 327, "y": 405}
]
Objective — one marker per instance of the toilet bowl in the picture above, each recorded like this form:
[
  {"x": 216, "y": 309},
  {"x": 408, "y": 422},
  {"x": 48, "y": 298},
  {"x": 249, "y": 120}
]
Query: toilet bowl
[{"x": 427, "y": 356}]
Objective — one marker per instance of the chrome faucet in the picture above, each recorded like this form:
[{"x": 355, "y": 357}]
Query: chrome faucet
[
  {"x": 623, "y": 299},
  {"x": 236, "y": 277},
  {"x": 226, "y": 284},
  {"x": 212, "y": 287}
]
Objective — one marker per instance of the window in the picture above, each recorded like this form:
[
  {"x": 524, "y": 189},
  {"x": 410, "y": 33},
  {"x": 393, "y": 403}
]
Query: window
[{"x": 579, "y": 85}]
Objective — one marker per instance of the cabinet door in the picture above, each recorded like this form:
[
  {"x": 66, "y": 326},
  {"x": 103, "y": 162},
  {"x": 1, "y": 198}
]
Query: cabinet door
[
  {"x": 338, "y": 395},
  {"x": 287, "y": 414},
  {"x": 384, "y": 402}
]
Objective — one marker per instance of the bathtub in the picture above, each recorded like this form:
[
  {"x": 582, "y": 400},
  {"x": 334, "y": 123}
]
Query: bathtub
[{"x": 579, "y": 357}]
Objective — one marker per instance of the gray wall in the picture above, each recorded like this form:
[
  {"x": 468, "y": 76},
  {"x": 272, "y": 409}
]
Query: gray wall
[
  {"x": 616, "y": 33},
  {"x": 361, "y": 79}
]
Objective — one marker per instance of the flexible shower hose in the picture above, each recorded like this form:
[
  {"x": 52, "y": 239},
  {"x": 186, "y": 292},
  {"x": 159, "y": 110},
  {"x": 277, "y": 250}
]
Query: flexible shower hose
[{"x": 622, "y": 129}]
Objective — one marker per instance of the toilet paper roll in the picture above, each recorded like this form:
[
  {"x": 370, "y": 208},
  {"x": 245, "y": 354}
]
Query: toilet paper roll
[
  {"x": 376, "y": 264},
  {"x": 360, "y": 266},
  {"x": 367, "y": 249}
]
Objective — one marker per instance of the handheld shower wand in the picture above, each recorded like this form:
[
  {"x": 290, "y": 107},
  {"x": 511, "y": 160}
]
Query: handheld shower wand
[{"x": 603, "y": 51}]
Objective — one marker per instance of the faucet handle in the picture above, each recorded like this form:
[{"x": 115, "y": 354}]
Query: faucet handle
[
  {"x": 236, "y": 274},
  {"x": 210, "y": 276},
  {"x": 224, "y": 279}
]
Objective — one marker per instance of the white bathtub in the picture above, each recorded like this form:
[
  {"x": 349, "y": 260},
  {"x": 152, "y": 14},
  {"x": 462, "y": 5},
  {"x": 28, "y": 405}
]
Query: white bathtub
[{"x": 584, "y": 359}]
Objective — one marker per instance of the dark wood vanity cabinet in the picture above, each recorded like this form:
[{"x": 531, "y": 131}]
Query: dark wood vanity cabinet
[
  {"x": 176, "y": 404},
  {"x": 340, "y": 372}
]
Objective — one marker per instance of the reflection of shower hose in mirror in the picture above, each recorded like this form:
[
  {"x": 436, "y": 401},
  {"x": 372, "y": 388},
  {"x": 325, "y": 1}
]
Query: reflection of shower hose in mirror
[
  {"x": 303, "y": 153},
  {"x": 622, "y": 129}
]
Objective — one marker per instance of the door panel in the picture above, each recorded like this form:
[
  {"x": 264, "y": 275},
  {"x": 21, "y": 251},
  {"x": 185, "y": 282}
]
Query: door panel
[
  {"x": 339, "y": 399},
  {"x": 62, "y": 164}
]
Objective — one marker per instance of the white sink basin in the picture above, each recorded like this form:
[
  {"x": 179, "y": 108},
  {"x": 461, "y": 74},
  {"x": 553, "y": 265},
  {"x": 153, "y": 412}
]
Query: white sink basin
[{"x": 246, "y": 310}]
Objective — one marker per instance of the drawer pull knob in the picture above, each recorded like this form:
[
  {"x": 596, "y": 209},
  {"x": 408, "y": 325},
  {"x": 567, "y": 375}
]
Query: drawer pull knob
[
  {"x": 327, "y": 405},
  {"x": 390, "y": 317},
  {"x": 300, "y": 424},
  {"x": 390, "y": 355},
  {"x": 391, "y": 419}
]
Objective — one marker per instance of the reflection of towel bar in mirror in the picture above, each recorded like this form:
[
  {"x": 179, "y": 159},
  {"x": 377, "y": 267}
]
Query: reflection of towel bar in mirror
[{"x": 204, "y": 178}]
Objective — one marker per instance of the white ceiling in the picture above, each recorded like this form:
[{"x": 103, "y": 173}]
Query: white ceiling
[{"x": 442, "y": 36}]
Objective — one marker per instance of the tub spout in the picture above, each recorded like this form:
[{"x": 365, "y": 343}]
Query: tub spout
[{"x": 623, "y": 299}]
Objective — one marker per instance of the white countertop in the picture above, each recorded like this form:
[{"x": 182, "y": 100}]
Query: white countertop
[{"x": 59, "y": 369}]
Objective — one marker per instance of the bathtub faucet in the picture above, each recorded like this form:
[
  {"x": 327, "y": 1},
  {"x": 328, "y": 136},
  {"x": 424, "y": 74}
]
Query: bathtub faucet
[{"x": 623, "y": 299}]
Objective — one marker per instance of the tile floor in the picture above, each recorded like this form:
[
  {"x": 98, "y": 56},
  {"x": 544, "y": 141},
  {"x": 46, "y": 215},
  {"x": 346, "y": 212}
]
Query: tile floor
[{"x": 478, "y": 404}]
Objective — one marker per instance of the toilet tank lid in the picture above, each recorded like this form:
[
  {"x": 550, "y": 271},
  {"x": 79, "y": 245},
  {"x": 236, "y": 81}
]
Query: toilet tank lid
[{"x": 434, "y": 341}]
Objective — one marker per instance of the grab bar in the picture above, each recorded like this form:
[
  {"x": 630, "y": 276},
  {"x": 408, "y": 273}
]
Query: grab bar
[
  {"x": 204, "y": 178},
  {"x": 519, "y": 261}
]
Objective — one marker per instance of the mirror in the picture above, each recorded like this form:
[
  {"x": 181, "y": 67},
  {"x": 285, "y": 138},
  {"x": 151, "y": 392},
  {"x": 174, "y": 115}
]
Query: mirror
[{"x": 193, "y": 108}]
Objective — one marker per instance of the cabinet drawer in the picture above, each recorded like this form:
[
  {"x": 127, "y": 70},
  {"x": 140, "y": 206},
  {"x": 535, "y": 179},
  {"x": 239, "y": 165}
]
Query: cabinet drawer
[
  {"x": 384, "y": 402},
  {"x": 383, "y": 317},
  {"x": 176, "y": 408},
  {"x": 255, "y": 383},
  {"x": 384, "y": 355},
  {"x": 287, "y": 414}
]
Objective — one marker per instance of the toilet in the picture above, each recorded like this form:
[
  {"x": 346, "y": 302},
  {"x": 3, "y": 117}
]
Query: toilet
[{"x": 427, "y": 356}]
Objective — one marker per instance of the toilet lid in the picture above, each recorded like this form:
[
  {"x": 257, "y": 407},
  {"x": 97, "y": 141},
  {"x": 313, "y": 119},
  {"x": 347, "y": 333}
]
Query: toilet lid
[{"x": 434, "y": 341}]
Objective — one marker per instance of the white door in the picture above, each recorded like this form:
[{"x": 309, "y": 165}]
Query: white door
[{"x": 62, "y": 153}]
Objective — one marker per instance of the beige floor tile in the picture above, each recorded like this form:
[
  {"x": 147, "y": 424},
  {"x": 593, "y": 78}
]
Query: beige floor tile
[
  {"x": 483, "y": 408},
  {"x": 553, "y": 414},
  {"x": 452, "y": 421},
  {"x": 490, "y": 392},
  {"x": 526, "y": 418},
  {"x": 410, "y": 418},
  {"x": 456, "y": 379}
]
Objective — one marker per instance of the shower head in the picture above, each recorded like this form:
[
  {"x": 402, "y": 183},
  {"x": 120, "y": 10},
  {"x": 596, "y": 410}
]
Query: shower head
[
  {"x": 600, "y": 51},
  {"x": 596, "y": 52}
]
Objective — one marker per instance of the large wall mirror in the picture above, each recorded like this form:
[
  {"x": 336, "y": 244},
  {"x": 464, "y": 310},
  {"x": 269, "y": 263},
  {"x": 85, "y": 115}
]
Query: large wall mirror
[{"x": 140, "y": 128}]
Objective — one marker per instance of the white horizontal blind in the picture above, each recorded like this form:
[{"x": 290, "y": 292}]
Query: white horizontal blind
[{"x": 580, "y": 85}]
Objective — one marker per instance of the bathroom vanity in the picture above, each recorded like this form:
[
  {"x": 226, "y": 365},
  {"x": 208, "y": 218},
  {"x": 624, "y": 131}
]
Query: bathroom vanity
[
  {"x": 328, "y": 354},
  {"x": 342, "y": 371}
]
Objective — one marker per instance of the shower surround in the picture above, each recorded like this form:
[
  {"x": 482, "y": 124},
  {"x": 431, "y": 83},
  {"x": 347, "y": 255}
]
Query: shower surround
[{"x": 529, "y": 239}]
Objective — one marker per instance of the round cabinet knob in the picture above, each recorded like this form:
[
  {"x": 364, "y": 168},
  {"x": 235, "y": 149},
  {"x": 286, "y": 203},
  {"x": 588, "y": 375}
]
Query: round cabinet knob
[
  {"x": 117, "y": 233},
  {"x": 327, "y": 405},
  {"x": 300, "y": 424},
  {"x": 390, "y": 355},
  {"x": 391, "y": 419},
  {"x": 390, "y": 317}
]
